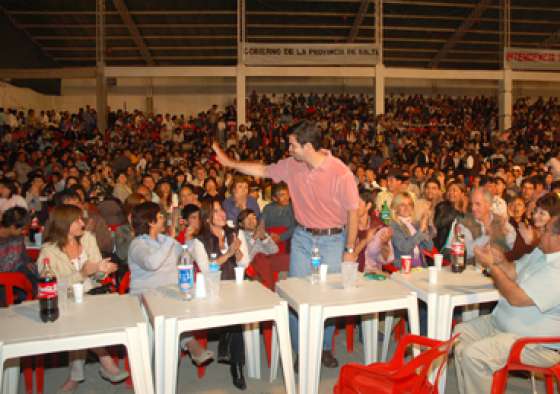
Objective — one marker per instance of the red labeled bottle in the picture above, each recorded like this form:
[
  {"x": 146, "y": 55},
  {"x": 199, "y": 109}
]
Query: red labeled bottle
[{"x": 47, "y": 293}]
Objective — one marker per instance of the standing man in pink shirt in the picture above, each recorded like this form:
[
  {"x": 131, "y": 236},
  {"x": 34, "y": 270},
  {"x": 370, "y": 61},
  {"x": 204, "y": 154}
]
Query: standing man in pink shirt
[{"x": 325, "y": 201}]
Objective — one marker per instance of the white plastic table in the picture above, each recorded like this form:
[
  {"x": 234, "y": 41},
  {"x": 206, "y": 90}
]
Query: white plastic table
[
  {"x": 246, "y": 303},
  {"x": 470, "y": 287},
  {"x": 316, "y": 303},
  {"x": 101, "y": 320}
]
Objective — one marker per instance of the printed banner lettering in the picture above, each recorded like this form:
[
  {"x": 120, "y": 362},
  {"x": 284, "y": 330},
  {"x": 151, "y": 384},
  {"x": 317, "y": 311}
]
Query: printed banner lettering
[{"x": 532, "y": 59}]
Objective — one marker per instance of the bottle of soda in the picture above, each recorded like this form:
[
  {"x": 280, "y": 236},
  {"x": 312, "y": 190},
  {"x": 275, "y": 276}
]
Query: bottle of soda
[
  {"x": 385, "y": 213},
  {"x": 458, "y": 250},
  {"x": 47, "y": 294},
  {"x": 315, "y": 264},
  {"x": 185, "y": 271}
]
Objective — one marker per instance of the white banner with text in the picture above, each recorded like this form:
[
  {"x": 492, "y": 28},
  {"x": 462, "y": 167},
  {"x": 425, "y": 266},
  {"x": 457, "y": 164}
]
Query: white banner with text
[
  {"x": 259, "y": 54},
  {"x": 532, "y": 59}
]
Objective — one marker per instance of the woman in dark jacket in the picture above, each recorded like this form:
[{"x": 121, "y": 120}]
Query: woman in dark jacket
[{"x": 217, "y": 238}]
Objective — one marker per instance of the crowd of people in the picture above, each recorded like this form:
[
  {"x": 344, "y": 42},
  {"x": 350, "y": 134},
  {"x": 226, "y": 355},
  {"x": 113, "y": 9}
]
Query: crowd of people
[{"x": 126, "y": 198}]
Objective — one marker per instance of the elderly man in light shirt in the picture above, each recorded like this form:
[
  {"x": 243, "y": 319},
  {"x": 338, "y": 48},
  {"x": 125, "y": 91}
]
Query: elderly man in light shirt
[
  {"x": 529, "y": 306},
  {"x": 482, "y": 226}
]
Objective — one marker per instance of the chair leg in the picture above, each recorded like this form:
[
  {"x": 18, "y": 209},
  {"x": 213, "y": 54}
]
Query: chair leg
[
  {"x": 349, "y": 326},
  {"x": 549, "y": 380},
  {"x": 267, "y": 336},
  {"x": 27, "y": 366},
  {"x": 499, "y": 382},
  {"x": 40, "y": 373},
  {"x": 202, "y": 338}
]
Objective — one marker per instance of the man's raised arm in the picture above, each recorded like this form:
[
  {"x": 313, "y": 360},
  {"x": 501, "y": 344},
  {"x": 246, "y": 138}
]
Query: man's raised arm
[{"x": 245, "y": 167}]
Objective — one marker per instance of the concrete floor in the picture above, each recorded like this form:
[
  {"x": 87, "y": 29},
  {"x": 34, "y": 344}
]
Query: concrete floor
[{"x": 218, "y": 381}]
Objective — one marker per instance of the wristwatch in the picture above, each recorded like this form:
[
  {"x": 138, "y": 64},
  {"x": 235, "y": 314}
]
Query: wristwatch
[{"x": 348, "y": 249}]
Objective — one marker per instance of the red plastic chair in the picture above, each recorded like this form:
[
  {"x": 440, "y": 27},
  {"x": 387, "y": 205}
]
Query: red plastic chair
[
  {"x": 16, "y": 279},
  {"x": 514, "y": 363},
  {"x": 396, "y": 376}
]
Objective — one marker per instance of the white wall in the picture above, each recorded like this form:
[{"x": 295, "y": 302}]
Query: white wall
[{"x": 192, "y": 95}]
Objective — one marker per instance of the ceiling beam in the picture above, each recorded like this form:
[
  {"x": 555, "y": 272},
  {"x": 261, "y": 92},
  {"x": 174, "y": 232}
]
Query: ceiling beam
[
  {"x": 358, "y": 20},
  {"x": 29, "y": 36},
  {"x": 47, "y": 73},
  {"x": 460, "y": 32},
  {"x": 134, "y": 32}
]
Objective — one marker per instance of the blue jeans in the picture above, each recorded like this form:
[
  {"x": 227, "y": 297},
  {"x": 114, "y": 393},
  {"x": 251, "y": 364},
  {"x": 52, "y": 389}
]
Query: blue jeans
[{"x": 331, "y": 248}]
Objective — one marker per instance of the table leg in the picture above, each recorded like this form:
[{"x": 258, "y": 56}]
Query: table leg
[
  {"x": 11, "y": 376},
  {"x": 275, "y": 353},
  {"x": 413, "y": 319},
  {"x": 251, "y": 336},
  {"x": 303, "y": 351},
  {"x": 139, "y": 356},
  {"x": 159, "y": 353},
  {"x": 445, "y": 317},
  {"x": 283, "y": 332},
  {"x": 315, "y": 342},
  {"x": 387, "y": 330},
  {"x": 170, "y": 356},
  {"x": 433, "y": 318},
  {"x": 370, "y": 327}
]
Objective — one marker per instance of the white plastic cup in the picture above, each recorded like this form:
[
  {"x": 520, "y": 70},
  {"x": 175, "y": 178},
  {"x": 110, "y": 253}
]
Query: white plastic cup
[
  {"x": 432, "y": 275},
  {"x": 406, "y": 264},
  {"x": 213, "y": 283},
  {"x": 200, "y": 288},
  {"x": 78, "y": 289},
  {"x": 239, "y": 274},
  {"x": 438, "y": 261},
  {"x": 323, "y": 269},
  {"x": 349, "y": 271}
]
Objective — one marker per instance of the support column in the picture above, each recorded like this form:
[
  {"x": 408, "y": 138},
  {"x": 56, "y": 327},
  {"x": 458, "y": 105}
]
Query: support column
[
  {"x": 506, "y": 102},
  {"x": 150, "y": 97},
  {"x": 101, "y": 80},
  {"x": 379, "y": 67},
  {"x": 379, "y": 89},
  {"x": 240, "y": 94}
]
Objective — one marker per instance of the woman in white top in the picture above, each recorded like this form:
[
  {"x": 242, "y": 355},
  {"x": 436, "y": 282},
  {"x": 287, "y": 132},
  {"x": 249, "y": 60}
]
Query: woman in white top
[{"x": 75, "y": 257}]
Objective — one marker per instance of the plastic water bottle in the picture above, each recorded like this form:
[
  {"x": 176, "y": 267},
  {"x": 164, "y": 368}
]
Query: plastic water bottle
[
  {"x": 185, "y": 270},
  {"x": 212, "y": 263},
  {"x": 315, "y": 264}
]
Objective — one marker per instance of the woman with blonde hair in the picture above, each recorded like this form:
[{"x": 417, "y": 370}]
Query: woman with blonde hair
[
  {"x": 409, "y": 237},
  {"x": 75, "y": 258}
]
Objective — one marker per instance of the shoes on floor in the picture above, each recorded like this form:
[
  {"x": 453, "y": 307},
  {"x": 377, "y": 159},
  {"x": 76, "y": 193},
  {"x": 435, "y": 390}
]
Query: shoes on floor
[
  {"x": 328, "y": 359},
  {"x": 118, "y": 378},
  {"x": 203, "y": 358}
]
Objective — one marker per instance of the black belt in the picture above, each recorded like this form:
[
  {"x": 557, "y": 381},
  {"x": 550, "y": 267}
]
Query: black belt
[{"x": 323, "y": 231}]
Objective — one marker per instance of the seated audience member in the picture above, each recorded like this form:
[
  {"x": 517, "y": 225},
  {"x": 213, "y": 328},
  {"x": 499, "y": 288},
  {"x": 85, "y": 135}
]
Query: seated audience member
[
  {"x": 368, "y": 225},
  {"x": 408, "y": 237},
  {"x": 240, "y": 200},
  {"x": 189, "y": 225},
  {"x": 499, "y": 206},
  {"x": 125, "y": 233},
  {"x": 395, "y": 179},
  {"x": 13, "y": 257},
  {"x": 122, "y": 189},
  {"x": 457, "y": 195},
  {"x": 481, "y": 226},
  {"x": 445, "y": 218},
  {"x": 217, "y": 238},
  {"x": 211, "y": 190},
  {"x": 34, "y": 193},
  {"x": 75, "y": 258},
  {"x": 94, "y": 221},
  {"x": 168, "y": 200},
  {"x": 9, "y": 196},
  {"x": 379, "y": 251},
  {"x": 529, "y": 292},
  {"x": 253, "y": 237},
  {"x": 431, "y": 196},
  {"x": 528, "y": 235},
  {"x": 145, "y": 191},
  {"x": 279, "y": 213},
  {"x": 152, "y": 260}
]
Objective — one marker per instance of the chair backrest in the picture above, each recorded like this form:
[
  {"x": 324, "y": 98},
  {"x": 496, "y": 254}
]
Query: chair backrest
[
  {"x": 419, "y": 367},
  {"x": 125, "y": 283},
  {"x": 15, "y": 279}
]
